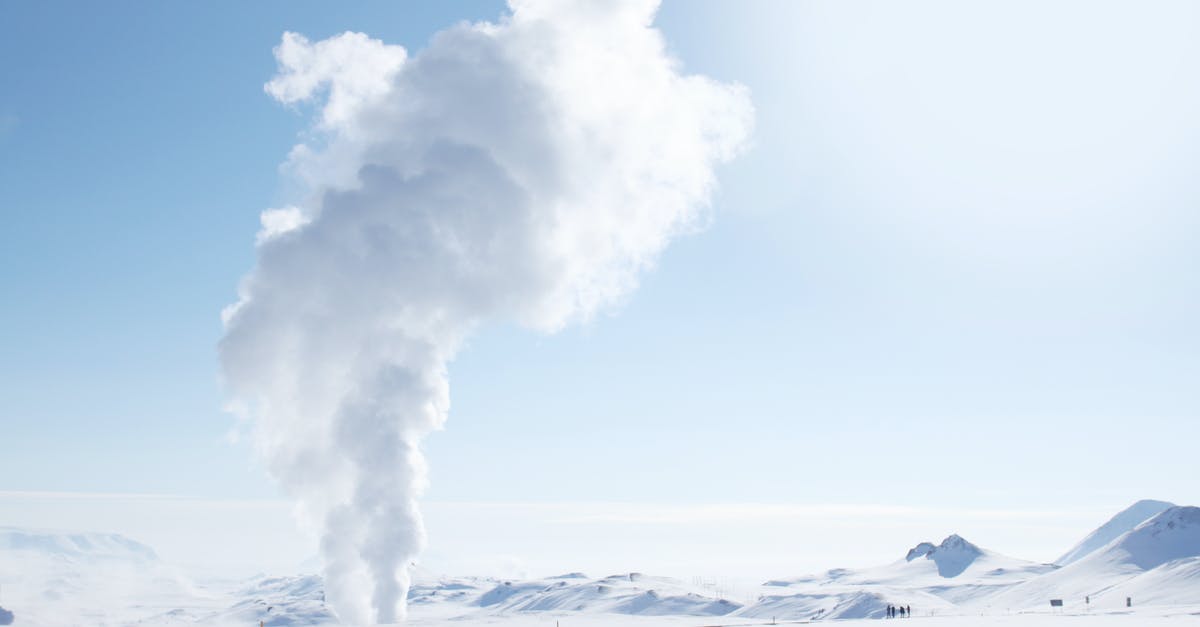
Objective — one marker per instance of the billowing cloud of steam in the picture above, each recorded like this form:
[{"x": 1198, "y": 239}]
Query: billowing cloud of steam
[{"x": 526, "y": 170}]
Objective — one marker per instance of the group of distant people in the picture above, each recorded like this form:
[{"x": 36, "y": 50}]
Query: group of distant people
[{"x": 903, "y": 611}]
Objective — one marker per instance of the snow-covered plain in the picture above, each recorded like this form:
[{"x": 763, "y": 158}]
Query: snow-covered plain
[{"x": 56, "y": 578}]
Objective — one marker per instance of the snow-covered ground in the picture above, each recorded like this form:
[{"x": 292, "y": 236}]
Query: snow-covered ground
[
  {"x": 1149, "y": 618},
  {"x": 1151, "y": 557}
]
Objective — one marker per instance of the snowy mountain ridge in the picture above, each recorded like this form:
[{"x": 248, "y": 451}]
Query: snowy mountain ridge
[
  {"x": 1164, "y": 549},
  {"x": 76, "y": 545},
  {"x": 1118, "y": 525},
  {"x": 1172, "y": 534},
  {"x": 952, "y": 556},
  {"x": 1156, "y": 561}
]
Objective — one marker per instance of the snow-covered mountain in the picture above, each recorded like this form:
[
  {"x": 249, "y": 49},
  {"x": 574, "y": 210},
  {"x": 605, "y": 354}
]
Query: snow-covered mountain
[
  {"x": 627, "y": 593},
  {"x": 55, "y": 578},
  {"x": 1172, "y": 534},
  {"x": 933, "y": 577},
  {"x": 62, "y": 578},
  {"x": 1116, "y": 526},
  {"x": 275, "y": 601},
  {"x": 1157, "y": 559},
  {"x": 73, "y": 546},
  {"x": 1151, "y": 560}
]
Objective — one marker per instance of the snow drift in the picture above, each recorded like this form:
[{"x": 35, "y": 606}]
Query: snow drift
[{"x": 528, "y": 169}]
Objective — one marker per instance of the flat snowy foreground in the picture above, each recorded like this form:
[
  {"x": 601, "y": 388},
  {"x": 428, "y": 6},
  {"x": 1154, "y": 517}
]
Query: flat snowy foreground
[{"x": 1150, "y": 618}]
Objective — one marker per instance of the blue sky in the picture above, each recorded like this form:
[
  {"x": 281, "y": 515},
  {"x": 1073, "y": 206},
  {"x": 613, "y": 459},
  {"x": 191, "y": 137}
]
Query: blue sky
[{"x": 956, "y": 269}]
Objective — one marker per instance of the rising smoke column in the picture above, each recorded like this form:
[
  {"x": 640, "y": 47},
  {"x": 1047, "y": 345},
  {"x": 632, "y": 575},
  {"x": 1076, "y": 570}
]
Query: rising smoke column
[{"x": 526, "y": 170}]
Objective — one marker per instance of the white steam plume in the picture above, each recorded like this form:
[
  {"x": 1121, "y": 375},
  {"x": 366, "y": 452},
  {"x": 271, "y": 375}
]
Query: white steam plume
[{"x": 527, "y": 169}]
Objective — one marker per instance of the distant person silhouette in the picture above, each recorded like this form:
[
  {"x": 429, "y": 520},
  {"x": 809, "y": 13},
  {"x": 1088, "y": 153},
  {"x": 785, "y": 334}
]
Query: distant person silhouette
[
  {"x": 902, "y": 614},
  {"x": 908, "y": 610}
]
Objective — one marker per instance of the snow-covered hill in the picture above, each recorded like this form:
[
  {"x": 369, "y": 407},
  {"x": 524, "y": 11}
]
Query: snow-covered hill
[
  {"x": 1118, "y": 525},
  {"x": 1173, "y": 534},
  {"x": 933, "y": 577},
  {"x": 73, "y": 546},
  {"x": 275, "y": 601},
  {"x": 836, "y": 602},
  {"x": 1156, "y": 559},
  {"x": 629, "y": 594},
  {"x": 62, "y": 578},
  {"x": 58, "y": 578},
  {"x": 1152, "y": 561}
]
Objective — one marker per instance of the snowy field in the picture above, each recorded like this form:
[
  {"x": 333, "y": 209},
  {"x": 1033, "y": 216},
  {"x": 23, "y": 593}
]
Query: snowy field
[
  {"x": 1148, "y": 554},
  {"x": 1178, "y": 616},
  {"x": 1148, "y": 618}
]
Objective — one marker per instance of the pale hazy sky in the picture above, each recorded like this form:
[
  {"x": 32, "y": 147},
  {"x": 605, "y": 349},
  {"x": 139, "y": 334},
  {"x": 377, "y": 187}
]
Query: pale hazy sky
[{"x": 952, "y": 286}]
